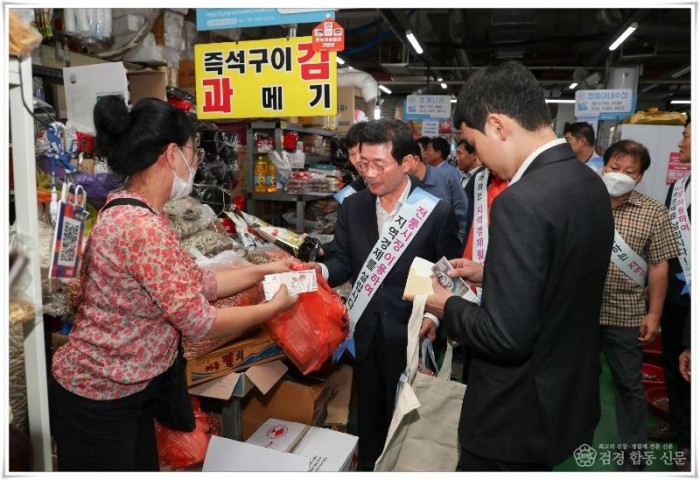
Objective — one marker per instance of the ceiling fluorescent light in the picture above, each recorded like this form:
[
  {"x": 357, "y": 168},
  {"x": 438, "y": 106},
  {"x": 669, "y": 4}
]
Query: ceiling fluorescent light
[
  {"x": 573, "y": 85},
  {"x": 680, "y": 102},
  {"x": 439, "y": 79},
  {"x": 384, "y": 89},
  {"x": 443, "y": 85},
  {"x": 680, "y": 72},
  {"x": 453, "y": 100},
  {"x": 414, "y": 42},
  {"x": 624, "y": 36},
  {"x": 558, "y": 100},
  {"x": 339, "y": 60}
]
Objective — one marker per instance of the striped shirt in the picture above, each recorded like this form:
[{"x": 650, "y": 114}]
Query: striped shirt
[{"x": 646, "y": 227}]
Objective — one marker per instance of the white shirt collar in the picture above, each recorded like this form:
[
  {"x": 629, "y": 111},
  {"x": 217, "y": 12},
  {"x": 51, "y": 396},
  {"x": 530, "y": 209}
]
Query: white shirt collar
[
  {"x": 532, "y": 157},
  {"x": 382, "y": 215}
]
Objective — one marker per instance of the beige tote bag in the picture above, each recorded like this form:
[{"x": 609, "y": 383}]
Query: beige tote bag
[{"x": 423, "y": 432}]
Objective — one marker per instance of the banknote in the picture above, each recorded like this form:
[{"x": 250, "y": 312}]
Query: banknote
[
  {"x": 297, "y": 282},
  {"x": 455, "y": 284}
]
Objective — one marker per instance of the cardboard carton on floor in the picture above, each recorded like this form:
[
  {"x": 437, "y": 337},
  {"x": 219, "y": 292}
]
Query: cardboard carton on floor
[
  {"x": 236, "y": 356},
  {"x": 279, "y": 445},
  {"x": 238, "y": 384},
  {"x": 302, "y": 401}
]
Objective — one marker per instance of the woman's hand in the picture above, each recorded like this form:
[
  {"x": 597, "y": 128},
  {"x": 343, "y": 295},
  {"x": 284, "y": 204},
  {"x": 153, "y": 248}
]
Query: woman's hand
[
  {"x": 465, "y": 268},
  {"x": 279, "y": 266},
  {"x": 282, "y": 300}
]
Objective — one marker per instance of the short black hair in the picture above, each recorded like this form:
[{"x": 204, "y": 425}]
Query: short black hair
[
  {"x": 415, "y": 150},
  {"x": 467, "y": 146},
  {"x": 352, "y": 138},
  {"x": 441, "y": 145},
  {"x": 509, "y": 89},
  {"x": 424, "y": 141},
  {"x": 631, "y": 148},
  {"x": 581, "y": 130},
  {"x": 385, "y": 130},
  {"x": 133, "y": 140}
]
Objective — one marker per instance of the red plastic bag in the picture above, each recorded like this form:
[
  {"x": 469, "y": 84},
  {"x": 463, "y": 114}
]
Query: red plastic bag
[
  {"x": 178, "y": 449},
  {"x": 313, "y": 328}
]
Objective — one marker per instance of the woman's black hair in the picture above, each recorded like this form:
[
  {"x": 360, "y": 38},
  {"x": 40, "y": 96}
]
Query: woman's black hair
[{"x": 132, "y": 140}]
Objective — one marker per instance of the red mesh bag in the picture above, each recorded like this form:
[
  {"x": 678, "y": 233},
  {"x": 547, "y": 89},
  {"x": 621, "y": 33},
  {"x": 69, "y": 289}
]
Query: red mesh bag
[
  {"x": 313, "y": 328},
  {"x": 178, "y": 449}
]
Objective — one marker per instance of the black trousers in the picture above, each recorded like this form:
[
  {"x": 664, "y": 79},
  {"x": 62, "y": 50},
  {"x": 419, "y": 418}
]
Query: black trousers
[
  {"x": 469, "y": 462},
  {"x": 103, "y": 435},
  {"x": 376, "y": 377},
  {"x": 678, "y": 389}
]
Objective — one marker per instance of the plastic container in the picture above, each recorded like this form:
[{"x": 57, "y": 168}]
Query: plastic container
[{"x": 260, "y": 174}]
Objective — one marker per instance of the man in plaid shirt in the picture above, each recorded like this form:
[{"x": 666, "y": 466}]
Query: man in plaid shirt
[{"x": 644, "y": 243}]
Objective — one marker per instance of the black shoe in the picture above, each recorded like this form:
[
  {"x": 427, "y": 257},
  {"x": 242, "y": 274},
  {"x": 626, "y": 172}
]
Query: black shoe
[{"x": 662, "y": 433}]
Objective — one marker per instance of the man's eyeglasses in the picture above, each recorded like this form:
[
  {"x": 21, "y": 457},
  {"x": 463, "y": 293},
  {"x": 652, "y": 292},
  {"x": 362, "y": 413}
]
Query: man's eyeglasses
[
  {"x": 377, "y": 167},
  {"x": 200, "y": 153}
]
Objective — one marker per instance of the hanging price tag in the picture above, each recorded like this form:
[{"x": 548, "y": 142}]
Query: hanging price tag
[{"x": 328, "y": 36}]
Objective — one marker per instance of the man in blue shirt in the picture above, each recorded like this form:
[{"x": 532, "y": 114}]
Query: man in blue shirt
[
  {"x": 442, "y": 184},
  {"x": 581, "y": 138},
  {"x": 436, "y": 154}
]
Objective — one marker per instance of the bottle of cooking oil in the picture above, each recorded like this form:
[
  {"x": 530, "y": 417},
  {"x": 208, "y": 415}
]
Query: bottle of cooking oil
[
  {"x": 260, "y": 174},
  {"x": 271, "y": 177}
]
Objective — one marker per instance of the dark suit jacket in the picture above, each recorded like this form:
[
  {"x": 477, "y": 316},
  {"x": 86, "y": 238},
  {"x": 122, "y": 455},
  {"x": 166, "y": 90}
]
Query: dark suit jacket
[
  {"x": 356, "y": 233},
  {"x": 675, "y": 286},
  {"x": 533, "y": 383}
]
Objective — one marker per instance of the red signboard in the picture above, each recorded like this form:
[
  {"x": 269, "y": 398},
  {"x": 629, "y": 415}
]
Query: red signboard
[{"x": 328, "y": 36}]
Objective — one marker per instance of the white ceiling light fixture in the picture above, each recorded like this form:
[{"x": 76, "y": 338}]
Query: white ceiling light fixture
[
  {"x": 339, "y": 60},
  {"x": 439, "y": 79},
  {"x": 384, "y": 89},
  {"x": 558, "y": 100},
  {"x": 377, "y": 113},
  {"x": 453, "y": 100},
  {"x": 443, "y": 85},
  {"x": 414, "y": 42},
  {"x": 573, "y": 85},
  {"x": 624, "y": 36},
  {"x": 680, "y": 102}
]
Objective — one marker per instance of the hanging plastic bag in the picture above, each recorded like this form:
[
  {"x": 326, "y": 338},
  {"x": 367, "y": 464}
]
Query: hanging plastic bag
[
  {"x": 178, "y": 449},
  {"x": 67, "y": 245},
  {"x": 313, "y": 328}
]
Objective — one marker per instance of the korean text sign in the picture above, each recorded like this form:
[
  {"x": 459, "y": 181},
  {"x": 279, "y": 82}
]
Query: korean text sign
[{"x": 280, "y": 77}]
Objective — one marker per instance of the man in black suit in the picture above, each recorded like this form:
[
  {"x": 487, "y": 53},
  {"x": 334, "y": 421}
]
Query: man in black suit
[
  {"x": 380, "y": 334},
  {"x": 533, "y": 396}
]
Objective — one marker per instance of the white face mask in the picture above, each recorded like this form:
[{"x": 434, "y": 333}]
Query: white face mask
[
  {"x": 181, "y": 188},
  {"x": 618, "y": 184}
]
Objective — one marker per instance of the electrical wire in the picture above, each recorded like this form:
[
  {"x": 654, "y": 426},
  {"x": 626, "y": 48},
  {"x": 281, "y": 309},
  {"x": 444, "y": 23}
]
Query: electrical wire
[{"x": 29, "y": 110}]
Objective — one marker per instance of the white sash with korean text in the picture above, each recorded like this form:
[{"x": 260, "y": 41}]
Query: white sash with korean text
[
  {"x": 344, "y": 193},
  {"x": 392, "y": 243},
  {"x": 480, "y": 223},
  {"x": 681, "y": 225},
  {"x": 628, "y": 260}
]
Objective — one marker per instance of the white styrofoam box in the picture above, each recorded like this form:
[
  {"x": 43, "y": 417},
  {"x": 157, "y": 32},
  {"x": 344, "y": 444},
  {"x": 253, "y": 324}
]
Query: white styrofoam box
[{"x": 127, "y": 24}]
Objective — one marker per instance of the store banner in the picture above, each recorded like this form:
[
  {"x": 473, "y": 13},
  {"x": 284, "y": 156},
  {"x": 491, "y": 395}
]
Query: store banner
[
  {"x": 676, "y": 169},
  {"x": 281, "y": 77},
  {"x": 421, "y": 107},
  {"x": 604, "y": 104},
  {"x": 431, "y": 127},
  {"x": 221, "y": 18}
]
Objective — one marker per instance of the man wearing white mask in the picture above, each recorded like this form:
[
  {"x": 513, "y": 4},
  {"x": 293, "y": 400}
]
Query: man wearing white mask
[{"x": 643, "y": 244}]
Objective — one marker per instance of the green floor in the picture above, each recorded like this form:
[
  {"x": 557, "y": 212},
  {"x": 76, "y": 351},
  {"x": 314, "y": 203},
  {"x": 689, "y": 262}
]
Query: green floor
[{"x": 605, "y": 435}]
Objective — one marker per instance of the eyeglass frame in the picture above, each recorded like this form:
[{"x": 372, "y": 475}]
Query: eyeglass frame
[
  {"x": 199, "y": 153},
  {"x": 365, "y": 166}
]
